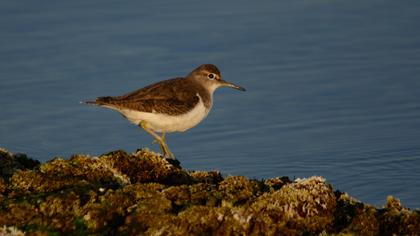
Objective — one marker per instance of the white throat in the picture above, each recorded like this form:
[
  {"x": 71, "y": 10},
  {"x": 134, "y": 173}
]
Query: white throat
[{"x": 213, "y": 88}]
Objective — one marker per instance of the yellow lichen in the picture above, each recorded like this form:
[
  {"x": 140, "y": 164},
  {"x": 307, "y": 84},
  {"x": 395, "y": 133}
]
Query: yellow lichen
[
  {"x": 10, "y": 231},
  {"x": 238, "y": 190},
  {"x": 306, "y": 203}
]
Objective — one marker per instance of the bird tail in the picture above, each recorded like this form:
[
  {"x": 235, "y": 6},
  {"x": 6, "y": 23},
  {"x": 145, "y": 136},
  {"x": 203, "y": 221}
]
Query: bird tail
[
  {"x": 88, "y": 102},
  {"x": 99, "y": 101}
]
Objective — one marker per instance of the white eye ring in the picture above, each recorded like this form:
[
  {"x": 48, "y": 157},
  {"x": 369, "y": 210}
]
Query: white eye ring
[{"x": 211, "y": 76}]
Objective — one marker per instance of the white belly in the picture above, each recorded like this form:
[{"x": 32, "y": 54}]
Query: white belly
[{"x": 165, "y": 123}]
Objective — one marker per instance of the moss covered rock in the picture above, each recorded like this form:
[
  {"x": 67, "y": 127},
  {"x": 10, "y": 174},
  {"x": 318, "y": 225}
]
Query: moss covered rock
[
  {"x": 140, "y": 193},
  {"x": 10, "y": 163}
]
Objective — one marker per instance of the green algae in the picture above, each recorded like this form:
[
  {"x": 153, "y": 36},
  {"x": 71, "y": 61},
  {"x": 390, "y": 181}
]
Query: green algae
[{"x": 140, "y": 193}]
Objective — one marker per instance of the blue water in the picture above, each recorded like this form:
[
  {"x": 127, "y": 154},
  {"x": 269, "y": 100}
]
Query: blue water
[{"x": 333, "y": 87}]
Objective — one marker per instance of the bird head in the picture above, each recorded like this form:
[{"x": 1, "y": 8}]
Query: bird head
[{"x": 210, "y": 76}]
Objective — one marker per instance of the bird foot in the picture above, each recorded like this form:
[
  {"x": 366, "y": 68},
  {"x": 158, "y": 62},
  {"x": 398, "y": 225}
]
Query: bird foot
[
  {"x": 174, "y": 162},
  {"x": 168, "y": 154}
]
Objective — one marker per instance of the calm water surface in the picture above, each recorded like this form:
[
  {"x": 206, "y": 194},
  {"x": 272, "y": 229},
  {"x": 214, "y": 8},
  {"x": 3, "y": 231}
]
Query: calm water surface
[{"x": 333, "y": 86}]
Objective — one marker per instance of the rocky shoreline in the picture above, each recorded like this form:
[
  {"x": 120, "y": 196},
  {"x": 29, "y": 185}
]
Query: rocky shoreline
[{"x": 140, "y": 193}]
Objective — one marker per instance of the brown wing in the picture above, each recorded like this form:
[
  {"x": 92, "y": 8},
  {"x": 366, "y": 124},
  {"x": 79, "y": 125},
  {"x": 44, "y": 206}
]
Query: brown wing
[{"x": 167, "y": 97}]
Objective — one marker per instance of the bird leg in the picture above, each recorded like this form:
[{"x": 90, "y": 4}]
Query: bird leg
[
  {"x": 162, "y": 141},
  {"x": 162, "y": 137}
]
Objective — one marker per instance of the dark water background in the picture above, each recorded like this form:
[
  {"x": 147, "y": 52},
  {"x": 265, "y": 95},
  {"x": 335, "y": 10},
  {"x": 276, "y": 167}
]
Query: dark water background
[{"x": 333, "y": 86}]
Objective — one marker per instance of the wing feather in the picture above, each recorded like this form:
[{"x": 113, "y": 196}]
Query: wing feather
[{"x": 166, "y": 97}]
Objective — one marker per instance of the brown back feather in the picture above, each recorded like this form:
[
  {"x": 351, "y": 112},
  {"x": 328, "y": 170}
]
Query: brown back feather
[{"x": 170, "y": 97}]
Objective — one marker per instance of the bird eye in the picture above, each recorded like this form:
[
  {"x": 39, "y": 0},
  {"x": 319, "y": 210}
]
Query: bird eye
[{"x": 211, "y": 76}]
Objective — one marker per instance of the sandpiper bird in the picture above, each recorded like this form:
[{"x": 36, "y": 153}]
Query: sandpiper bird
[{"x": 173, "y": 105}]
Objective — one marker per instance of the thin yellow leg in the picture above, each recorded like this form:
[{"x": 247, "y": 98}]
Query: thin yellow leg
[{"x": 162, "y": 141}]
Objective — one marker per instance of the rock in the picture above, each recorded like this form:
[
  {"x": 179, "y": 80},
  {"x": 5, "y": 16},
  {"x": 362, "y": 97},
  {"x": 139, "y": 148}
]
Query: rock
[
  {"x": 140, "y": 193},
  {"x": 10, "y": 163}
]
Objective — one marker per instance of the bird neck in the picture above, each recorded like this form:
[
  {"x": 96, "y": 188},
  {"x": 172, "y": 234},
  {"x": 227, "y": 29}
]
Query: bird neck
[{"x": 205, "y": 93}]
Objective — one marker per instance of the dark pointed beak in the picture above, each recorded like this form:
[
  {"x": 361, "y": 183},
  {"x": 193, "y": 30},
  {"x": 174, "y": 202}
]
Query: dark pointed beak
[{"x": 228, "y": 84}]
